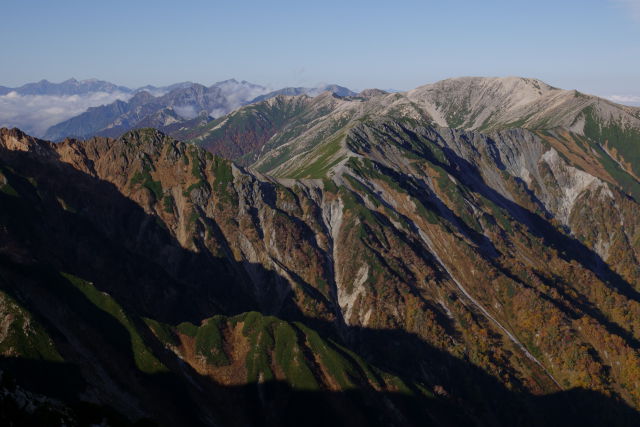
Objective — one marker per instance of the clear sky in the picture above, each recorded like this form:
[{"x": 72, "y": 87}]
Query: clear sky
[{"x": 590, "y": 45}]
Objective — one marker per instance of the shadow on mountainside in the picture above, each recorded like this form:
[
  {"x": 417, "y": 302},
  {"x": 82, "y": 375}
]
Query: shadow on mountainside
[
  {"x": 67, "y": 221},
  {"x": 567, "y": 247}
]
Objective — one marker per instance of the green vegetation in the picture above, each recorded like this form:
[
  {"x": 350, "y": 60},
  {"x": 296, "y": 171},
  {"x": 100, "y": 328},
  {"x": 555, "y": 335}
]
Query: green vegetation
[
  {"x": 619, "y": 136},
  {"x": 457, "y": 117},
  {"x": 324, "y": 159},
  {"x": 162, "y": 331},
  {"x": 9, "y": 190},
  {"x": 289, "y": 356},
  {"x": 143, "y": 356},
  {"x": 22, "y": 335},
  {"x": 222, "y": 171},
  {"x": 341, "y": 369},
  {"x": 257, "y": 330},
  {"x": 283, "y": 154},
  {"x": 370, "y": 170},
  {"x": 362, "y": 189},
  {"x": 626, "y": 143},
  {"x": 257, "y": 122},
  {"x": 196, "y": 165},
  {"x": 144, "y": 178},
  {"x": 188, "y": 329},
  {"x": 624, "y": 139},
  {"x": 223, "y": 185},
  {"x": 275, "y": 344},
  {"x": 353, "y": 204},
  {"x": 168, "y": 203},
  {"x": 197, "y": 172},
  {"x": 209, "y": 341},
  {"x": 329, "y": 186},
  {"x": 5, "y": 185},
  {"x": 457, "y": 196},
  {"x": 500, "y": 215}
]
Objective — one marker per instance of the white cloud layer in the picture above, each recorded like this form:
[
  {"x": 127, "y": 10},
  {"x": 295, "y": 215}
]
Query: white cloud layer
[
  {"x": 186, "y": 111},
  {"x": 625, "y": 99},
  {"x": 34, "y": 114}
]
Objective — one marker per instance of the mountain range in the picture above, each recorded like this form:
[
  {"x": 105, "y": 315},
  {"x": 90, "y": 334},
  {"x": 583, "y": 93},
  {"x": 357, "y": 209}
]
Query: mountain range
[
  {"x": 65, "y": 88},
  {"x": 464, "y": 253},
  {"x": 50, "y": 110},
  {"x": 179, "y": 105}
]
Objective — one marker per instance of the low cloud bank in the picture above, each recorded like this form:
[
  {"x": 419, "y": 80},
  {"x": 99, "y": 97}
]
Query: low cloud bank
[
  {"x": 34, "y": 114},
  {"x": 626, "y": 99}
]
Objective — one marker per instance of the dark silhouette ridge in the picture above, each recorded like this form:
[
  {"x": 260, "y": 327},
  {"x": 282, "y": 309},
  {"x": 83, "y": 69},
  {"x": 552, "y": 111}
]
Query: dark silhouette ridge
[{"x": 112, "y": 242}]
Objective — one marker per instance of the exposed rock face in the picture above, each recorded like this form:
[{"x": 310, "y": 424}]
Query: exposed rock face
[{"x": 432, "y": 271}]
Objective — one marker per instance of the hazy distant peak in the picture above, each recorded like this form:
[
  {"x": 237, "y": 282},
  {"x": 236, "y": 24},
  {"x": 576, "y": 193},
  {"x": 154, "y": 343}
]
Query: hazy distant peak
[{"x": 370, "y": 93}]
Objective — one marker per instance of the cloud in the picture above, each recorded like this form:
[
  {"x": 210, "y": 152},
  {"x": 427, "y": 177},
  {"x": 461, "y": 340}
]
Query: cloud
[
  {"x": 218, "y": 112},
  {"x": 186, "y": 111},
  {"x": 625, "y": 99},
  {"x": 34, "y": 114},
  {"x": 238, "y": 94},
  {"x": 631, "y": 6}
]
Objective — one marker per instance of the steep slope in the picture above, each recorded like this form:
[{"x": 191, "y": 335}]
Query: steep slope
[
  {"x": 433, "y": 273},
  {"x": 155, "y": 351}
]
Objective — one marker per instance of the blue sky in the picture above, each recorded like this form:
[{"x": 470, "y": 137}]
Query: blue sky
[{"x": 590, "y": 45}]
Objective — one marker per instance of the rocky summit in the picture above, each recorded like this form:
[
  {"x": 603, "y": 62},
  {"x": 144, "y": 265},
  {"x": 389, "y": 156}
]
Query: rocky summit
[{"x": 465, "y": 253}]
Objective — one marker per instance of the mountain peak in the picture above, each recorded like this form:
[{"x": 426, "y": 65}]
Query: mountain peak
[
  {"x": 507, "y": 84},
  {"x": 145, "y": 136},
  {"x": 228, "y": 81},
  {"x": 488, "y": 102},
  {"x": 370, "y": 93}
]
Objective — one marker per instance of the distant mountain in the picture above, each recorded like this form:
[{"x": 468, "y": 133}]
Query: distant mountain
[
  {"x": 35, "y": 107},
  {"x": 174, "y": 110},
  {"x": 161, "y": 90},
  {"x": 311, "y": 91},
  {"x": 183, "y": 103},
  {"x": 96, "y": 118},
  {"x": 67, "y": 87}
]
